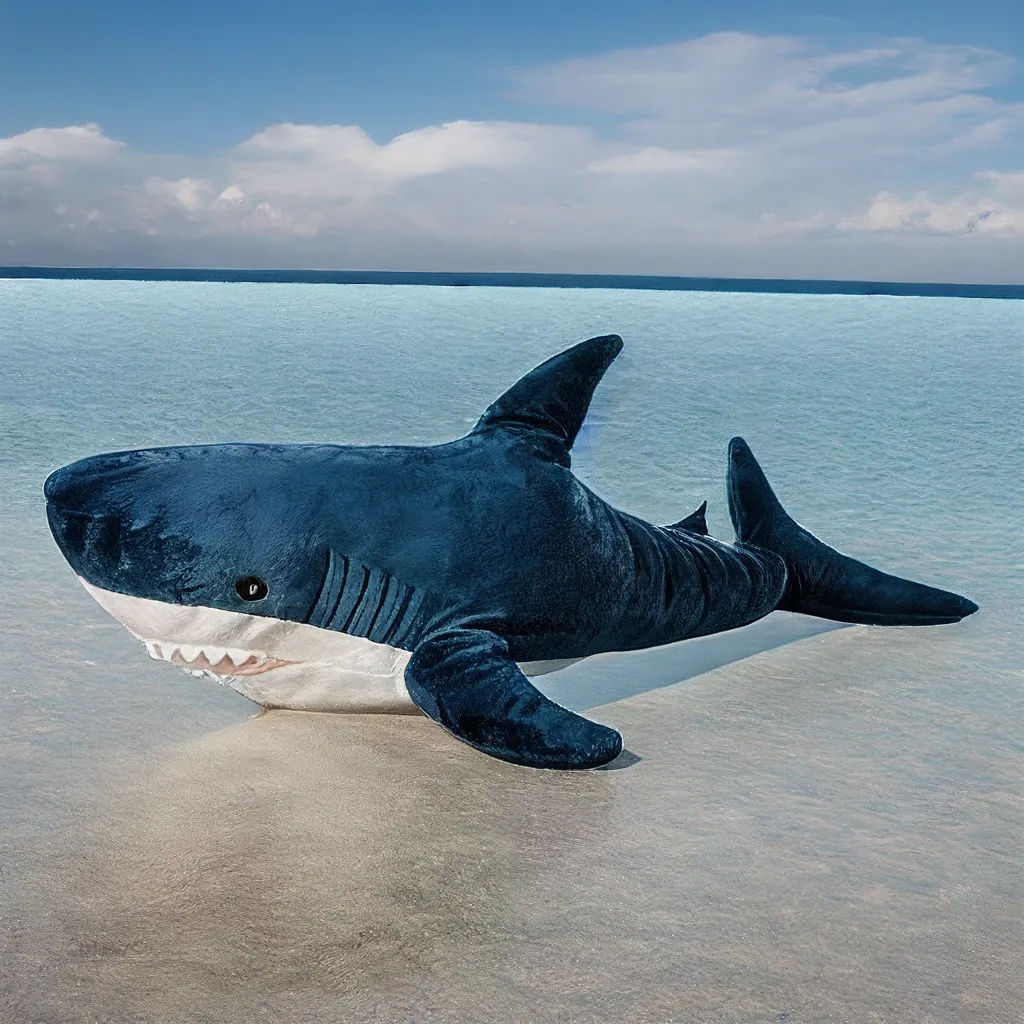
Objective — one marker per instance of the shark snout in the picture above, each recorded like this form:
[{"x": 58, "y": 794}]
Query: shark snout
[
  {"x": 53, "y": 486},
  {"x": 90, "y": 543},
  {"x": 90, "y": 486},
  {"x": 81, "y": 509}
]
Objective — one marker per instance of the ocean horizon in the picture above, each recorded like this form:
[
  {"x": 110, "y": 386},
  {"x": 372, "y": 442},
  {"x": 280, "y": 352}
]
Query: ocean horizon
[{"x": 460, "y": 279}]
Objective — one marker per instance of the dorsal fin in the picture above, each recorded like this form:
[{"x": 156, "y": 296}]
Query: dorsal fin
[
  {"x": 553, "y": 398},
  {"x": 694, "y": 522}
]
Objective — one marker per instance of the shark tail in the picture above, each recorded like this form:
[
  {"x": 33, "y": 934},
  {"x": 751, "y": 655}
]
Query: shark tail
[{"x": 821, "y": 581}]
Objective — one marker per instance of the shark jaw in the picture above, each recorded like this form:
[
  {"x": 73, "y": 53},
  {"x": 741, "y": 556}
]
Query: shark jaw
[
  {"x": 276, "y": 663},
  {"x": 214, "y": 662}
]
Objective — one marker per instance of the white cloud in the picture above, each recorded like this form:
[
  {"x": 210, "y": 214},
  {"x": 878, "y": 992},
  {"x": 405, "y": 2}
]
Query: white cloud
[
  {"x": 231, "y": 196},
  {"x": 733, "y": 154},
  {"x": 1008, "y": 184},
  {"x": 961, "y": 214},
  {"x": 731, "y": 81},
  {"x": 78, "y": 142},
  {"x": 432, "y": 150},
  {"x": 343, "y": 162},
  {"x": 655, "y": 159},
  {"x": 190, "y": 194}
]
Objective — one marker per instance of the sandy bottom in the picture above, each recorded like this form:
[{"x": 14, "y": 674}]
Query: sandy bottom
[{"x": 813, "y": 834}]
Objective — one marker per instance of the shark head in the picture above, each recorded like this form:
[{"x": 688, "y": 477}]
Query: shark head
[
  {"x": 304, "y": 576},
  {"x": 211, "y": 556}
]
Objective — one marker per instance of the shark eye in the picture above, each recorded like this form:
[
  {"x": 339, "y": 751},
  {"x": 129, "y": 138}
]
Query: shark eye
[{"x": 251, "y": 588}]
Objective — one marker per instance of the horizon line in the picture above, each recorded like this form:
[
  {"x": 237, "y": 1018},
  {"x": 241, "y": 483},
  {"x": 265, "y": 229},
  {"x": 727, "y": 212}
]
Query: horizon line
[{"x": 511, "y": 279}]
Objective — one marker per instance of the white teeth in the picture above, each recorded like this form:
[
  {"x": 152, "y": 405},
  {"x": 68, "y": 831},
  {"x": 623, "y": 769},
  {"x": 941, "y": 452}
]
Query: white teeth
[{"x": 186, "y": 655}]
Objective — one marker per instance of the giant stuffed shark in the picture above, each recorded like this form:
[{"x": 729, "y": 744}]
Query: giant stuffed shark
[{"x": 341, "y": 578}]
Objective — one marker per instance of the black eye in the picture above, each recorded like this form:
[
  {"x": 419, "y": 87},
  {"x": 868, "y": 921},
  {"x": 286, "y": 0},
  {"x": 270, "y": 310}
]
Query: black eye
[{"x": 252, "y": 588}]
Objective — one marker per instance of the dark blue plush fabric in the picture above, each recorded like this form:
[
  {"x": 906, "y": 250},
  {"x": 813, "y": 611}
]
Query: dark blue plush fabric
[{"x": 473, "y": 554}]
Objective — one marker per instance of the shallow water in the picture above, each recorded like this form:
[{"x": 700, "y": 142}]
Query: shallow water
[{"x": 826, "y": 830}]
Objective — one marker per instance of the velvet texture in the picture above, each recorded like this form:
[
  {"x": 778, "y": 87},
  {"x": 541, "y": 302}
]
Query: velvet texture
[{"x": 474, "y": 555}]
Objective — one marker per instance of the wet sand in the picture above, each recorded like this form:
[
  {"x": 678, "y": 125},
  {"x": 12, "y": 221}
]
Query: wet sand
[{"x": 817, "y": 833}]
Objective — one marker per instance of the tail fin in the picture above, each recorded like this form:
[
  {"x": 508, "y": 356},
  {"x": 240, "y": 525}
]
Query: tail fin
[{"x": 823, "y": 582}]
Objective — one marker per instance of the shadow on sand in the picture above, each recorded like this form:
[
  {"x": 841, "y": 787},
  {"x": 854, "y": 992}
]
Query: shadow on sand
[{"x": 774, "y": 855}]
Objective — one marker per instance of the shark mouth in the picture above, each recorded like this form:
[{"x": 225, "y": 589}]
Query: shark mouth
[
  {"x": 214, "y": 662},
  {"x": 310, "y": 669},
  {"x": 274, "y": 662}
]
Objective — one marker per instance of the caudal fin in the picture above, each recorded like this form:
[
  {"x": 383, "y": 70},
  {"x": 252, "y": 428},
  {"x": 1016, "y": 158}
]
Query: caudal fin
[{"x": 822, "y": 581}]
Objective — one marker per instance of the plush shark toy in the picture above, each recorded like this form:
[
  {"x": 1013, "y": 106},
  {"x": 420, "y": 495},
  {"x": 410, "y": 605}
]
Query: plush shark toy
[{"x": 339, "y": 578}]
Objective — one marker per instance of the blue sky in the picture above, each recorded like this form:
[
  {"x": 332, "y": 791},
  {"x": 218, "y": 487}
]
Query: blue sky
[
  {"x": 175, "y": 91},
  {"x": 194, "y": 76}
]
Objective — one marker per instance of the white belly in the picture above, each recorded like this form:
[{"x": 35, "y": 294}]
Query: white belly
[{"x": 275, "y": 663}]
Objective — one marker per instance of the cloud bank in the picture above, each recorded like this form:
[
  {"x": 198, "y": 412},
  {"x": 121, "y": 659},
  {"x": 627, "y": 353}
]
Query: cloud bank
[{"x": 732, "y": 154}]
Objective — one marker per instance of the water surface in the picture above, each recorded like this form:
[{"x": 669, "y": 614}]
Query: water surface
[{"x": 829, "y": 829}]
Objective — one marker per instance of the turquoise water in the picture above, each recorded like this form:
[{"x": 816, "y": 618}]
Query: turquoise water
[{"x": 890, "y": 426}]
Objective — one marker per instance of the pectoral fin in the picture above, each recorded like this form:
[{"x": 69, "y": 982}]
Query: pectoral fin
[{"x": 466, "y": 680}]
